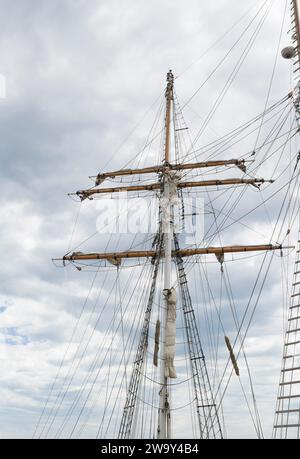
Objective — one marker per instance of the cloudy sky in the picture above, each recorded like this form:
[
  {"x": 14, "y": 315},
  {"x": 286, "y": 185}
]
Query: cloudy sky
[{"x": 81, "y": 76}]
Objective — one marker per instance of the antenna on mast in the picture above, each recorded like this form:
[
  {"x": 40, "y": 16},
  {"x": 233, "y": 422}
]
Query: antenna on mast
[
  {"x": 297, "y": 26},
  {"x": 293, "y": 52}
]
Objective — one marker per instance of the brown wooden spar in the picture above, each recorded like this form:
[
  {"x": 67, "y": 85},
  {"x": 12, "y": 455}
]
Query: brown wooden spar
[
  {"x": 78, "y": 256},
  {"x": 223, "y": 182},
  {"x": 121, "y": 189},
  {"x": 240, "y": 163},
  {"x": 156, "y": 186}
]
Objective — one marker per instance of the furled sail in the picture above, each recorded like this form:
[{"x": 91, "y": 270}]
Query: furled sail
[{"x": 170, "y": 371}]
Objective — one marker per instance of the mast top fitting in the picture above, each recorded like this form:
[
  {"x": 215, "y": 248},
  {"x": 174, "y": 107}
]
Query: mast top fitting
[{"x": 170, "y": 77}]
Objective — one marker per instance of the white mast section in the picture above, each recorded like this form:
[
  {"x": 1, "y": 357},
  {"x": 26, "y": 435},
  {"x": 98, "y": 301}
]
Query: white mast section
[{"x": 163, "y": 431}]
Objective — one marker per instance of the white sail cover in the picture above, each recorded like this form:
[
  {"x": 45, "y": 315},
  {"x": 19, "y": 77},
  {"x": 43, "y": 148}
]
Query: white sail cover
[
  {"x": 167, "y": 204},
  {"x": 170, "y": 334}
]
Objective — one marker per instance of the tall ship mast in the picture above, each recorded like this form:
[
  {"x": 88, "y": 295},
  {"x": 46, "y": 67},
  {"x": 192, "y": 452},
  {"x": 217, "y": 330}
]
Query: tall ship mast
[
  {"x": 156, "y": 373},
  {"x": 287, "y": 415}
]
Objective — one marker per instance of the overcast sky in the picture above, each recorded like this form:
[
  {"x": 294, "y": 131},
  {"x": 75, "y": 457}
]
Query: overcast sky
[{"x": 80, "y": 76}]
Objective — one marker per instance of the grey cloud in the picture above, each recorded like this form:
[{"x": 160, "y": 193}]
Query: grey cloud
[{"x": 80, "y": 75}]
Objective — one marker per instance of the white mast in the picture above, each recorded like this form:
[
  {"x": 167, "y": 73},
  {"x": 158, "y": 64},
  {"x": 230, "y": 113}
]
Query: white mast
[{"x": 164, "y": 411}]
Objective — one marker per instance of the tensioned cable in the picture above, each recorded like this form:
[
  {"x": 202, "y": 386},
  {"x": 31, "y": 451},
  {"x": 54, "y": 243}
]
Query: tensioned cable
[
  {"x": 216, "y": 42},
  {"x": 233, "y": 74},
  {"x": 92, "y": 367},
  {"x": 234, "y": 139},
  {"x": 273, "y": 71},
  {"x": 73, "y": 375},
  {"x": 129, "y": 356},
  {"x": 207, "y": 79},
  {"x": 248, "y": 305},
  {"x": 64, "y": 358},
  {"x": 234, "y": 204},
  {"x": 89, "y": 340},
  {"x": 227, "y": 137},
  {"x": 227, "y": 54},
  {"x": 78, "y": 347}
]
